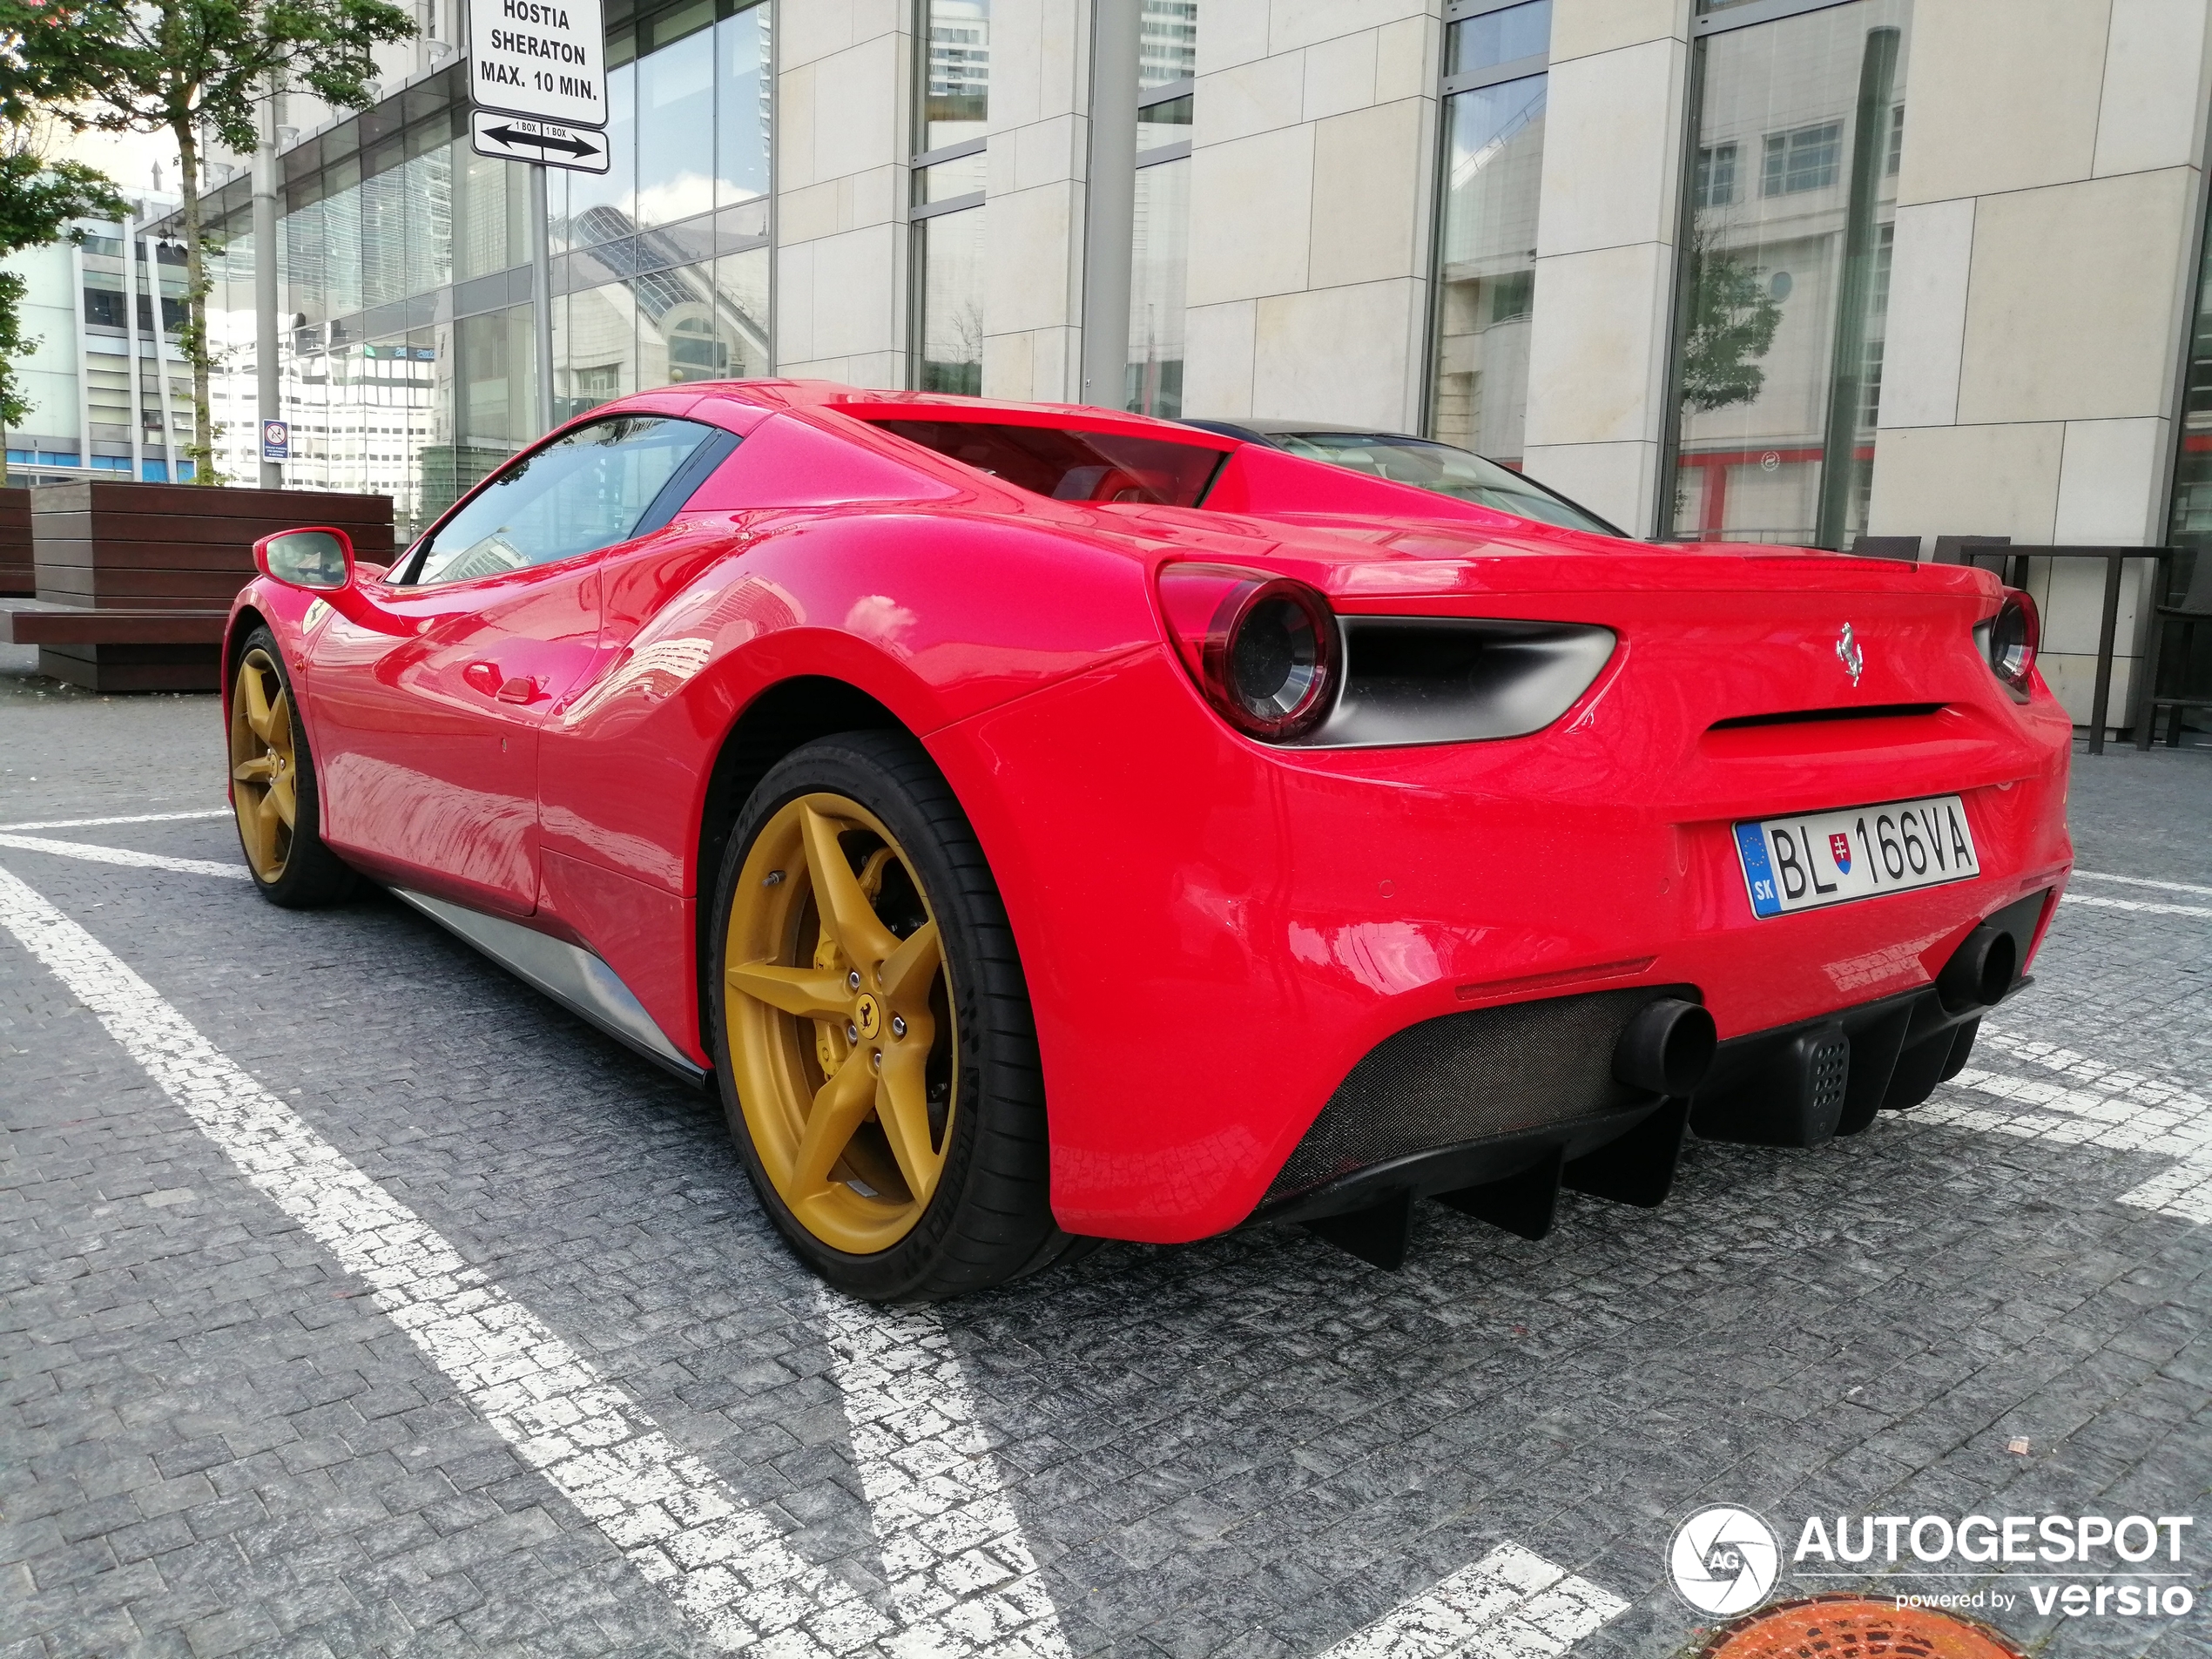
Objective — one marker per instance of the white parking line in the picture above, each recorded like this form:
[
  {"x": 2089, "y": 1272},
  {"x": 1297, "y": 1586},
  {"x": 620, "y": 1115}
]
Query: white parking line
[
  {"x": 2140, "y": 882},
  {"x": 726, "y": 1565},
  {"x": 133, "y": 818},
  {"x": 2117, "y": 1108},
  {"x": 123, "y": 856},
  {"x": 1509, "y": 1605},
  {"x": 963, "y": 1578},
  {"x": 952, "y": 1544},
  {"x": 2137, "y": 904}
]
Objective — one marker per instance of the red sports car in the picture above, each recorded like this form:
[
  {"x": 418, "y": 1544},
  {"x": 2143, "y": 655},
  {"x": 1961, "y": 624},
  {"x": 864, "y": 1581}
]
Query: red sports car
[{"x": 1045, "y": 825}]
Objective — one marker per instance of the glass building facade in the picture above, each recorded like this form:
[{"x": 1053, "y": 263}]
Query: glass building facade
[
  {"x": 2185, "y": 658},
  {"x": 1160, "y": 244},
  {"x": 406, "y": 356},
  {"x": 1784, "y": 279},
  {"x": 952, "y": 107},
  {"x": 1494, "y": 57}
]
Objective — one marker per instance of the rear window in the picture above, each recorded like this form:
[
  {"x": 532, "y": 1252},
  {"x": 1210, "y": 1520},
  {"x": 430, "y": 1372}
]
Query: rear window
[{"x": 1072, "y": 465}]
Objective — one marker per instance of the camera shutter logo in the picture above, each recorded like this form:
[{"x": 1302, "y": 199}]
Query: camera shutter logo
[{"x": 1724, "y": 1560}]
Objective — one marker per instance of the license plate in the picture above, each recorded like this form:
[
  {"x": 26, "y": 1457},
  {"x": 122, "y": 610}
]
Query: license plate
[{"x": 1793, "y": 863}]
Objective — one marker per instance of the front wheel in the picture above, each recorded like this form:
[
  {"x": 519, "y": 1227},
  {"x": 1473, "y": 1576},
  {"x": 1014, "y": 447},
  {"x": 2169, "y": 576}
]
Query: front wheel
[
  {"x": 872, "y": 1034},
  {"x": 272, "y": 786}
]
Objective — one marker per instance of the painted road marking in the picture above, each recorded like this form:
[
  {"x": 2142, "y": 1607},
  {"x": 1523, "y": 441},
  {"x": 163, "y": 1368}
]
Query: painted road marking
[
  {"x": 2140, "y": 882},
  {"x": 1509, "y": 1605},
  {"x": 123, "y": 856},
  {"x": 2095, "y": 1104},
  {"x": 963, "y": 1578},
  {"x": 725, "y": 1566},
  {"x": 133, "y": 818},
  {"x": 2137, "y": 905},
  {"x": 953, "y": 1547}
]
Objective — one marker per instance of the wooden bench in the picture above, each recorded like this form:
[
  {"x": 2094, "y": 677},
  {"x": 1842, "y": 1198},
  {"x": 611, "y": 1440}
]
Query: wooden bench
[
  {"x": 15, "y": 542},
  {"x": 133, "y": 582}
]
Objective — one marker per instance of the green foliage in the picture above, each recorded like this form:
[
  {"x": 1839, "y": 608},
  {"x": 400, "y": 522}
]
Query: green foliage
[
  {"x": 1732, "y": 320},
  {"x": 38, "y": 198},
  {"x": 191, "y": 69}
]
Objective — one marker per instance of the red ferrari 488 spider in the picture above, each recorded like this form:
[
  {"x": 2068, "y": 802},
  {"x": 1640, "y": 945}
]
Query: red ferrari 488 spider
[{"x": 1045, "y": 825}]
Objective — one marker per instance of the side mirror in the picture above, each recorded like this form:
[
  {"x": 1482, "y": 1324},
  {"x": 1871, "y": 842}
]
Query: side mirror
[{"x": 320, "y": 560}]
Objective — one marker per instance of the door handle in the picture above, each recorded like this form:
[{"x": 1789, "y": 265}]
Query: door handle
[
  {"x": 519, "y": 689},
  {"x": 481, "y": 677}
]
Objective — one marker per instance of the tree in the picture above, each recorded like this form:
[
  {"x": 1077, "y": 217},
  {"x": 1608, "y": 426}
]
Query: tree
[
  {"x": 195, "y": 69},
  {"x": 1732, "y": 320},
  {"x": 38, "y": 198}
]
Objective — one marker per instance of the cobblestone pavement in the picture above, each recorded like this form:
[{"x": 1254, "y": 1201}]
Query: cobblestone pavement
[{"x": 224, "y": 1431}]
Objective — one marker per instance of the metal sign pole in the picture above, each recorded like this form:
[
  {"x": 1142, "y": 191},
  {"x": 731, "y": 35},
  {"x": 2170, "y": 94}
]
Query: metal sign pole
[{"x": 542, "y": 296}]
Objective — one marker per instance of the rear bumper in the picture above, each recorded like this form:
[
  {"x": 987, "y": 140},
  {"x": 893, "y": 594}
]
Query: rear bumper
[{"x": 1494, "y": 1110}]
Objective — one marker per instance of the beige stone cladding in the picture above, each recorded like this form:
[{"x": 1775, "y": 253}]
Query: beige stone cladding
[
  {"x": 1606, "y": 237},
  {"x": 2047, "y": 205},
  {"x": 844, "y": 104},
  {"x": 1313, "y": 162}
]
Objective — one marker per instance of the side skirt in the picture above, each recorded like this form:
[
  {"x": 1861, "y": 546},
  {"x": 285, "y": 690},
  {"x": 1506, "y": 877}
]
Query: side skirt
[{"x": 572, "y": 976}]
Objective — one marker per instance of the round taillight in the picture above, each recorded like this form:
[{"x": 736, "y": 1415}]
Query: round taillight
[
  {"x": 1265, "y": 649},
  {"x": 2013, "y": 635}
]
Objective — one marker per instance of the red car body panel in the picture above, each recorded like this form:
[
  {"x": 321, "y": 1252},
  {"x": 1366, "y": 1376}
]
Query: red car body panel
[{"x": 1214, "y": 930}]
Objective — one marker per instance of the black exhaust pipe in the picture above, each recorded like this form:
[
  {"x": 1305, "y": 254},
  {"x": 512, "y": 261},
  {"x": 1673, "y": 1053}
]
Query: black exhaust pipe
[
  {"x": 1980, "y": 972},
  {"x": 1667, "y": 1049}
]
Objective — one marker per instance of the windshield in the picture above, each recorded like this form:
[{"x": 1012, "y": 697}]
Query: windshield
[{"x": 1448, "y": 471}]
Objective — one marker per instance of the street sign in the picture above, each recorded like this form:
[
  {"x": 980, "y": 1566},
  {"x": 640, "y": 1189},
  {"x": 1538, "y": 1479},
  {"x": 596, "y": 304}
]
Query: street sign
[
  {"x": 511, "y": 138},
  {"x": 545, "y": 59},
  {"x": 276, "y": 440}
]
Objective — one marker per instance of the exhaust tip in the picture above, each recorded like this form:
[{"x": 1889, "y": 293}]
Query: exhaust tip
[
  {"x": 1668, "y": 1049},
  {"x": 1980, "y": 972}
]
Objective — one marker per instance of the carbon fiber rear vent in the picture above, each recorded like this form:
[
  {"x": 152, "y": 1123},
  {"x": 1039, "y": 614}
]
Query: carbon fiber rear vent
[{"x": 1470, "y": 1076}]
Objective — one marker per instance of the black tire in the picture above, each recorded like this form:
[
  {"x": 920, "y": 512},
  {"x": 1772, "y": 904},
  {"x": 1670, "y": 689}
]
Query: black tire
[
  {"x": 990, "y": 1218},
  {"x": 313, "y": 875}
]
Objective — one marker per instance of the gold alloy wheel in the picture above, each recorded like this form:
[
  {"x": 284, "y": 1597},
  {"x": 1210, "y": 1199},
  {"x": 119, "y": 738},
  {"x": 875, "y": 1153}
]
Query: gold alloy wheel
[
  {"x": 264, "y": 777},
  {"x": 838, "y": 1011}
]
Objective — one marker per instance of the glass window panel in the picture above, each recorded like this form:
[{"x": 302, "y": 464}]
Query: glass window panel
[
  {"x": 1784, "y": 279},
  {"x": 427, "y": 185},
  {"x": 741, "y": 114},
  {"x": 586, "y": 490},
  {"x": 384, "y": 237},
  {"x": 676, "y": 333},
  {"x": 1159, "y": 260},
  {"x": 601, "y": 206},
  {"x": 1168, "y": 47},
  {"x": 341, "y": 251},
  {"x": 1499, "y": 37},
  {"x": 1486, "y": 297},
  {"x": 956, "y": 73},
  {"x": 595, "y": 349},
  {"x": 491, "y": 214},
  {"x": 741, "y": 312},
  {"x": 484, "y": 406},
  {"x": 950, "y": 248},
  {"x": 964, "y": 176},
  {"x": 2185, "y": 656},
  {"x": 675, "y": 112},
  {"x": 1167, "y": 122}
]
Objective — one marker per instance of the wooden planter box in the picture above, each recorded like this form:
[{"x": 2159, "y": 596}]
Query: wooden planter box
[
  {"x": 15, "y": 541},
  {"x": 133, "y": 581}
]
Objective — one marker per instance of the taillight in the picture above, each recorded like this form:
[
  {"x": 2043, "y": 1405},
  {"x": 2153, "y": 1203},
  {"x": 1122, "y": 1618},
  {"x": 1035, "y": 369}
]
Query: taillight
[
  {"x": 1263, "y": 648},
  {"x": 2009, "y": 640}
]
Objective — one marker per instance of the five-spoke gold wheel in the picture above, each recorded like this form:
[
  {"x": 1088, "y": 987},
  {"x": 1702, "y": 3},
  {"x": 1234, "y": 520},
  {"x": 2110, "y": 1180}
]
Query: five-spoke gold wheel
[
  {"x": 264, "y": 788},
  {"x": 840, "y": 1015}
]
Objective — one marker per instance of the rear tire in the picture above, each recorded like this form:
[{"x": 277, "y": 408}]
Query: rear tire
[
  {"x": 273, "y": 794},
  {"x": 941, "y": 1183}
]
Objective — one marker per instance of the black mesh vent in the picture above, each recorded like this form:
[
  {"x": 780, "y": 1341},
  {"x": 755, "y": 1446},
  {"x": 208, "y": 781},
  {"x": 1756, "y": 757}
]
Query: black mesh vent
[
  {"x": 1830, "y": 1070},
  {"x": 1470, "y": 1076}
]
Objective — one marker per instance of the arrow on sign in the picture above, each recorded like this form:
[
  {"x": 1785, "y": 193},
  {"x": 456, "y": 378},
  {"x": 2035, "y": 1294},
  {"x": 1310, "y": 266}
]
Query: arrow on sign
[{"x": 541, "y": 140}]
